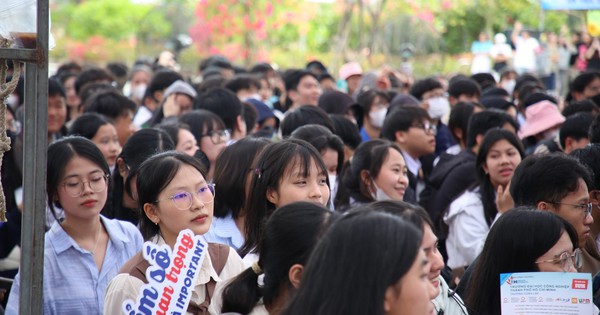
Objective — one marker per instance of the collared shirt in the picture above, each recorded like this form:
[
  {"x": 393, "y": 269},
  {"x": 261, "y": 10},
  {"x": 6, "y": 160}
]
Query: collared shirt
[
  {"x": 225, "y": 231},
  {"x": 413, "y": 165},
  {"x": 72, "y": 282},
  {"x": 364, "y": 135},
  {"x": 126, "y": 287}
]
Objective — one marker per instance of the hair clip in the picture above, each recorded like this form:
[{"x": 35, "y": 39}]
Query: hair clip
[{"x": 258, "y": 172}]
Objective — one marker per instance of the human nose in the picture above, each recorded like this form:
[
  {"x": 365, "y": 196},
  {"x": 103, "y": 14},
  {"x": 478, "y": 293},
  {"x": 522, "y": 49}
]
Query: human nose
[{"x": 315, "y": 191}]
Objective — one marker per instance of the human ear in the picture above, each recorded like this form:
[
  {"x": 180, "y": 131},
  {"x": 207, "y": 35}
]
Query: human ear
[
  {"x": 365, "y": 178},
  {"x": 151, "y": 212},
  {"x": 295, "y": 275},
  {"x": 400, "y": 136},
  {"x": 388, "y": 300},
  {"x": 293, "y": 95},
  {"x": 122, "y": 168},
  {"x": 272, "y": 196},
  {"x": 542, "y": 205}
]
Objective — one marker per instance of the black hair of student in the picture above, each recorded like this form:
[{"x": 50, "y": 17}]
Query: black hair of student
[
  {"x": 594, "y": 133},
  {"x": 326, "y": 76},
  {"x": 71, "y": 67},
  {"x": 290, "y": 235},
  {"x": 60, "y": 153},
  {"x": 381, "y": 243},
  {"x": 484, "y": 80},
  {"x": 481, "y": 122},
  {"x": 576, "y": 126},
  {"x": 369, "y": 156},
  {"x": 202, "y": 121},
  {"x": 464, "y": 87},
  {"x": 407, "y": 211},
  {"x": 547, "y": 177},
  {"x": 139, "y": 147},
  {"x": 117, "y": 69},
  {"x": 537, "y": 97},
  {"x": 160, "y": 81},
  {"x": 94, "y": 74},
  {"x": 172, "y": 127},
  {"x": 55, "y": 88},
  {"x": 497, "y": 102},
  {"x": 304, "y": 115},
  {"x": 93, "y": 88},
  {"x": 242, "y": 81},
  {"x": 401, "y": 119},
  {"x": 292, "y": 77},
  {"x": 217, "y": 61},
  {"x": 583, "y": 80},
  {"x": 459, "y": 119},
  {"x": 64, "y": 76},
  {"x": 87, "y": 125},
  {"x": 274, "y": 162},
  {"x": 154, "y": 175},
  {"x": 423, "y": 86},
  {"x": 209, "y": 83},
  {"x": 587, "y": 106},
  {"x": 322, "y": 139},
  {"x": 527, "y": 89},
  {"x": 528, "y": 79},
  {"x": 223, "y": 103},
  {"x": 495, "y": 92},
  {"x": 366, "y": 98},
  {"x": 486, "y": 189},
  {"x": 250, "y": 116},
  {"x": 231, "y": 170},
  {"x": 111, "y": 104},
  {"x": 346, "y": 130},
  {"x": 261, "y": 68},
  {"x": 514, "y": 243},
  {"x": 589, "y": 156}
]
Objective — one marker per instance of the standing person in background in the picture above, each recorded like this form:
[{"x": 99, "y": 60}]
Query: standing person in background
[
  {"x": 592, "y": 55},
  {"x": 351, "y": 73},
  {"x": 481, "y": 54},
  {"x": 526, "y": 50},
  {"x": 501, "y": 53}
]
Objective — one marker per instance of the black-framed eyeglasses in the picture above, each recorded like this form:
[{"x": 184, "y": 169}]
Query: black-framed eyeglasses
[
  {"x": 75, "y": 186},
  {"x": 183, "y": 200},
  {"x": 218, "y": 136},
  {"x": 586, "y": 207},
  {"x": 566, "y": 259},
  {"x": 428, "y": 127}
]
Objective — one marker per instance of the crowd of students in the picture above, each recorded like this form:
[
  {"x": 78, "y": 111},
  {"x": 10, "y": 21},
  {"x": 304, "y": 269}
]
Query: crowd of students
[{"x": 389, "y": 196}]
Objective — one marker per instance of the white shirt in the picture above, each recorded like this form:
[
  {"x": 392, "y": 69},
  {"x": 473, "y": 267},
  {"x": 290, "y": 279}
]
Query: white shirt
[{"x": 525, "y": 53}]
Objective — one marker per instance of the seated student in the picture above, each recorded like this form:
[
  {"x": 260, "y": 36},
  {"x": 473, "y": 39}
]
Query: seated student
[
  {"x": 550, "y": 246},
  {"x": 414, "y": 132},
  {"x": 463, "y": 90},
  {"x": 289, "y": 237},
  {"x": 377, "y": 171},
  {"x": 173, "y": 195},
  {"x": 244, "y": 86},
  {"x": 116, "y": 107},
  {"x": 182, "y": 137},
  {"x": 102, "y": 132},
  {"x": 375, "y": 104},
  {"x": 387, "y": 274},
  {"x": 446, "y": 300},
  {"x": 454, "y": 174},
  {"x": 336, "y": 102},
  {"x": 587, "y": 106},
  {"x": 84, "y": 250},
  {"x": 302, "y": 88},
  {"x": 574, "y": 132},
  {"x": 228, "y": 107},
  {"x": 154, "y": 95},
  {"x": 541, "y": 127},
  {"x": 176, "y": 101},
  {"x": 459, "y": 122},
  {"x": 232, "y": 177},
  {"x": 57, "y": 110},
  {"x": 304, "y": 115},
  {"x": 471, "y": 215},
  {"x": 434, "y": 99},
  {"x": 585, "y": 86}
]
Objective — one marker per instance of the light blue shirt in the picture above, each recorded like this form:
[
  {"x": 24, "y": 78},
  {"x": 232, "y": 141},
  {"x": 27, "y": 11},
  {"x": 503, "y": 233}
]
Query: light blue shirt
[
  {"x": 72, "y": 283},
  {"x": 224, "y": 231}
]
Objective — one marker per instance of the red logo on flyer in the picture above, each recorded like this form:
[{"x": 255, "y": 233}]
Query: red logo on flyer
[{"x": 579, "y": 284}]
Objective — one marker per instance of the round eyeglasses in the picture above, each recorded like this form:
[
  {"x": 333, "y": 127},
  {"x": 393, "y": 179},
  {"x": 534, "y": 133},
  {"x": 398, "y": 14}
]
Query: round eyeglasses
[
  {"x": 75, "y": 186},
  {"x": 566, "y": 260},
  {"x": 218, "y": 136},
  {"x": 183, "y": 200},
  {"x": 427, "y": 127},
  {"x": 586, "y": 207}
]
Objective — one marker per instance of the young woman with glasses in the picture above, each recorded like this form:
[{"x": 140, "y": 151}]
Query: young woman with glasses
[
  {"x": 173, "y": 195},
  {"x": 84, "y": 250},
  {"x": 522, "y": 240},
  {"x": 210, "y": 133}
]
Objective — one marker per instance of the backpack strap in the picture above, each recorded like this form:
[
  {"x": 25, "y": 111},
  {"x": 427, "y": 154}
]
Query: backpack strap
[{"x": 136, "y": 266}]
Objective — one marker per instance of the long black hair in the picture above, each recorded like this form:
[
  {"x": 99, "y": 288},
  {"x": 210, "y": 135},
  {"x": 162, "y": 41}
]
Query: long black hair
[
  {"x": 360, "y": 256},
  {"x": 289, "y": 237},
  {"x": 486, "y": 189},
  {"x": 515, "y": 242}
]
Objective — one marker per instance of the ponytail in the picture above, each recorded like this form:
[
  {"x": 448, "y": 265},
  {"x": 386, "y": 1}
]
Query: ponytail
[{"x": 242, "y": 294}]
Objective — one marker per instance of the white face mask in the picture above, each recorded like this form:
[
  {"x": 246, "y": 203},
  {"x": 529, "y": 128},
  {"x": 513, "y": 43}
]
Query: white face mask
[
  {"x": 138, "y": 92},
  {"x": 379, "y": 195},
  {"x": 377, "y": 117},
  {"x": 509, "y": 86},
  {"x": 438, "y": 107},
  {"x": 551, "y": 134}
]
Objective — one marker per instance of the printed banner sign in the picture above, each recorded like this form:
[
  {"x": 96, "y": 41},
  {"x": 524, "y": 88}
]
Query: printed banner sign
[
  {"x": 548, "y": 293},
  {"x": 570, "y": 4},
  {"x": 171, "y": 276}
]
